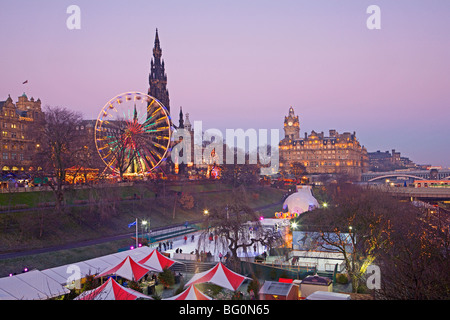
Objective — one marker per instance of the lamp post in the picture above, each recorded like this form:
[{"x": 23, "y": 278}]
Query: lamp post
[
  {"x": 137, "y": 239},
  {"x": 145, "y": 225},
  {"x": 352, "y": 236}
]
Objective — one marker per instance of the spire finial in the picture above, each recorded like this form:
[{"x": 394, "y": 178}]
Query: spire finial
[
  {"x": 135, "y": 113},
  {"x": 157, "y": 37},
  {"x": 181, "y": 121}
]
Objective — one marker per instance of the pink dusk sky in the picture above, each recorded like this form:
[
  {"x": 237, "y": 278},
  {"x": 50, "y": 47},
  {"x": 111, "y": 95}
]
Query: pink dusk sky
[{"x": 242, "y": 64}]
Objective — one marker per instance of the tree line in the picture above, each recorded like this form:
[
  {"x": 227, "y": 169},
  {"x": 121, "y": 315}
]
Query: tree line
[{"x": 410, "y": 245}]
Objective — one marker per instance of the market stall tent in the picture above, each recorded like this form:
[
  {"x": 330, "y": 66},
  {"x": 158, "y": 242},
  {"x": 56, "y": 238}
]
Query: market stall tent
[
  {"x": 311, "y": 284},
  {"x": 127, "y": 269},
  {"x": 219, "y": 275},
  {"x": 111, "y": 290},
  {"x": 71, "y": 274},
  {"x": 92, "y": 266},
  {"x": 272, "y": 290},
  {"x": 136, "y": 253},
  {"x": 5, "y": 295},
  {"x": 191, "y": 293},
  {"x": 157, "y": 261},
  {"x": 31, "y": 285},
  {"x": 325, "y": 295}
]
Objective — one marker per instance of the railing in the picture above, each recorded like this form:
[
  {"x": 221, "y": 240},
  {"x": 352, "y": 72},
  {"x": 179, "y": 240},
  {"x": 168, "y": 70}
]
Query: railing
[
  {"x": 329, "y": 267},
  {"x": 279, "y": 263},
  {"x": 430, "y": 192},
  {"x": 14, "y": 189}
]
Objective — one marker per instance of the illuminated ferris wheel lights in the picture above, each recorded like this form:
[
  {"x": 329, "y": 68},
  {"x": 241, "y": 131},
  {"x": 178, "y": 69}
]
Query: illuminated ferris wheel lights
[
  {"x": 126, "y": 141},
  {"x": 161, "y": 119},
  {"x": 151, "y": 116}
]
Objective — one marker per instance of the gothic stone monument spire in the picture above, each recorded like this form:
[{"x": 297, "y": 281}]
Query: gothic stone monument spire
[{"x": 158, "y": 76}]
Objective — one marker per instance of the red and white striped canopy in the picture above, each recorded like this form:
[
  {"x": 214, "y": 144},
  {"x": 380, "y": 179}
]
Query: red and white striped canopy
[
  {"x": 191, "y": 293},
  {"x": 111, "y": 290},
  {"x": 128, "y": 269},
  {"x": 157, "y": 261},
  {"x": 219, "y": 275}
]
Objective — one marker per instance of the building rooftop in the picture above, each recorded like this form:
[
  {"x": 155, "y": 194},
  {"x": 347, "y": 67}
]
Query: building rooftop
[
  {"x": 316, "y": 280},
  {"x": 276, "y": 288}
]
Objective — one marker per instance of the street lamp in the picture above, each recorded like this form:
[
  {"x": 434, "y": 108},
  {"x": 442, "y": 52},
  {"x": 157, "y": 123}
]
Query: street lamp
[
  {"x": 325, "y": 205},
  {"x": 294, "y": 225},
  {"x": 145, "y": 225},
  {"x": 205, "y": 212}
]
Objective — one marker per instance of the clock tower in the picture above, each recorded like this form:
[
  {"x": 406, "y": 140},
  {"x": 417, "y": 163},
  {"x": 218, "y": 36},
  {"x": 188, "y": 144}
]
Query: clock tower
[{"x": 291, "y": 126}]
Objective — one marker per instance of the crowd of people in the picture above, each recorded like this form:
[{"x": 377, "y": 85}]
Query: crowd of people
[{"x": 165, "y": 245}]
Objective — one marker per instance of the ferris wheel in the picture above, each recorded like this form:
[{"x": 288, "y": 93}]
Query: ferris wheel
[{"x": 133, "y": 134}]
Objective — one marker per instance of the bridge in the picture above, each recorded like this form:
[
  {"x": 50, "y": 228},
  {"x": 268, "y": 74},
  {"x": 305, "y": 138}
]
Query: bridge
[
  {"x": 433, "y": 174},
  {"x": 413, "y": 194}
]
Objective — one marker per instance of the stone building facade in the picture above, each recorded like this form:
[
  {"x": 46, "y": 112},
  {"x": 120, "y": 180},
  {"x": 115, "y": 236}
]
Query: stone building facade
[
  {"x": 337, "y": 153},
  {"x": 386, "y": 161},
  {"x": 16, "y": 140}
]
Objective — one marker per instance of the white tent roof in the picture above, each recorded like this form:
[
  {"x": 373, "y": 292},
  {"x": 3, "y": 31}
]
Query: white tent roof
[
  {"x": 93, "y": 266},
  {"x": 111, "y": 290},
  {"x": 157, "y": 261},
  {"x": 219, "y": 275},
  {"x": 32, "y": 285},
  {"x": 191, "y": 293},
  {"x": 6, "y": 296},
  {"x": 51, "y": 282},
  {"x": 98, "y": 264},
  {"x": 63, "y": 273},
  {"x": 326, "y": 295},
  {"x": 56, "y": 276},
  {"x": 135, "y": 254}
]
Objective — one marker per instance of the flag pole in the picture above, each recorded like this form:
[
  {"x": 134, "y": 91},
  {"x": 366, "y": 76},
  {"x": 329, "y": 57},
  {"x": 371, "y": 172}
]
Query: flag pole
[{"x": 136, "y": 232}]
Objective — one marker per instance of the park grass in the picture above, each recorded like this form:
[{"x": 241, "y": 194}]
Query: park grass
[
  {"x": 19, "y": 230},
  {"x": 53, "y": 259}
]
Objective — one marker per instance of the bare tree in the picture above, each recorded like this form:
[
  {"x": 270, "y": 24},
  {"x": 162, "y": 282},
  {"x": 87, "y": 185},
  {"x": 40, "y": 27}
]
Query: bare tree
[
  {"x": 416, "y": 266},
  {"x": 57, "y": 147},
  {"x": 231, "y": 223},
  {"x": 359, "y": 226}
]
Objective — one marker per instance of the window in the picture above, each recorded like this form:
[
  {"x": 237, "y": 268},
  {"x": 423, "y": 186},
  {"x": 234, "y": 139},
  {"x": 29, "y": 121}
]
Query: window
[{"x": 5, "y": 155}]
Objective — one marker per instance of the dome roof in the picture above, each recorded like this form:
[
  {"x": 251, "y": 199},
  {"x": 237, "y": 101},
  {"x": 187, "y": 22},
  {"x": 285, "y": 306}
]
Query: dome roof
[{"x": 301, "y": 201}]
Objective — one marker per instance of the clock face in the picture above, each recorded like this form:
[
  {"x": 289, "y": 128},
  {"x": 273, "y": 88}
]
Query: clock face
[{"x": 290, "y": 123}]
